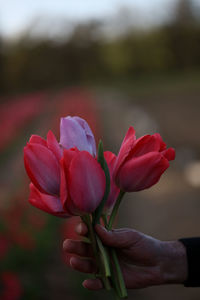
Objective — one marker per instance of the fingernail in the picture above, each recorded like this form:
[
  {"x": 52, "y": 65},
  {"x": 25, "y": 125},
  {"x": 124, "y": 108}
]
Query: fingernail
[
  {"x": 71, "y": 261},
  {"x": 67, "y": 245},
  {"x": 84, "y": 285},
  {"x": 64, "y": 244},
  {"x": 79, "y": 228}
]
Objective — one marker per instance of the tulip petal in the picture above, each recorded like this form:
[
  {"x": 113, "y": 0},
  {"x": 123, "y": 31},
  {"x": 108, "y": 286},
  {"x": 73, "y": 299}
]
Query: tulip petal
[
  {"x": 86, "y": 182},
  {"x": 126, "y": 147},
  {"x": 53, "y": 145},
  {"x": 110, "y": 159},
  {"x": 64, "y": 194},
  {"x": 169, "y": 153},
  {"x": 89, "y": 134},
  {"x": 65, "y": 162},
  {"x": 114, "y": 190},
  {"x": 48, "y": 203},
  {"x": 43, "y": 168},
  {"x": 145, "y": 144},
  {"x": 35, "y": 199},
  {"x": 63, "y": 183},
  {"x": 68, "y": 155},
  {"x": 130, "y": 135},
  {"x": 162, "y": 144},
  {"x": 141, "y": 172},
  {"x": 36, "y": 139},
  {"x": 74, "y": 134}
]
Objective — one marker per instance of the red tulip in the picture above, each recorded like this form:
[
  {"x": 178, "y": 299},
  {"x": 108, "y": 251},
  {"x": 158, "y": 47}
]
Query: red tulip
[
  {"x": 4, "y": 246},
  {"x": 141, "y": 162},
  {"x": 114, "y": 190},
  {"x": 65, "y": 182},
  {"x": 42, "y": 163},
  {"x": 41, "y": 159},
  {"x": 11, "y": 287},
  {"x": 48, "y": 203},
  {"x": 82, "y": 182}
]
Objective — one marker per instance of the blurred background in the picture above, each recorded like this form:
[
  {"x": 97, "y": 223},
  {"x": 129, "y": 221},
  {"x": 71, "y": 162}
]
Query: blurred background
[{"x": 115, "y": 63}]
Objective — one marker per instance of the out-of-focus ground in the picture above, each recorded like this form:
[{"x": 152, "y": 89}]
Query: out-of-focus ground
[
  {"x": 170, "y": 209},
  {"x": 149, "y": 79}
]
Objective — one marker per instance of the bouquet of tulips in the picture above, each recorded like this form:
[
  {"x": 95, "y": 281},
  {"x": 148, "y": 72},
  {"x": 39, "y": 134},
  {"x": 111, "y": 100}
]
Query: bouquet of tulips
[{"x": 69, "y": 178}]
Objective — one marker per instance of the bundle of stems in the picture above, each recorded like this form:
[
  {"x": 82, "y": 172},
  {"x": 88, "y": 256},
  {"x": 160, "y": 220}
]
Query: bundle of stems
[{"x": 109, "y": 270}]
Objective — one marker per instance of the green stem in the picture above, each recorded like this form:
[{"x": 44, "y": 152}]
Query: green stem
[
  {"x": 87, "y": 220},
  {"x": 105, "y": 257},
  {"x": 116, "y": 288},
  {"x": 104, "y": 217},
  {"x": 115, "y": 210},
  {"x": 116, "y": 294},
  {"x": 122, "y": 287},
  {"x": 86, "y": 240}
]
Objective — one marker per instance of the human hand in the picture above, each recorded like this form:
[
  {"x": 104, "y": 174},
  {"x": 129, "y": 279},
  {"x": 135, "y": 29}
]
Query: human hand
[{"x": 144, "y": 260}]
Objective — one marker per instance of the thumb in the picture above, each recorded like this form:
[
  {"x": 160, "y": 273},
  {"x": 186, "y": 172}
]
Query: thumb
[{"x": 119, "y": 238}]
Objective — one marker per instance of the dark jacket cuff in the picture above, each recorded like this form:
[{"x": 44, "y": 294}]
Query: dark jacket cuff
[{"x": 192, "y": 246}]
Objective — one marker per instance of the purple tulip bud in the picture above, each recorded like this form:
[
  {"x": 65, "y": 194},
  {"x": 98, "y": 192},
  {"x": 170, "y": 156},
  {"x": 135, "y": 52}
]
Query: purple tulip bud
[{"x": 75, "y": 132}]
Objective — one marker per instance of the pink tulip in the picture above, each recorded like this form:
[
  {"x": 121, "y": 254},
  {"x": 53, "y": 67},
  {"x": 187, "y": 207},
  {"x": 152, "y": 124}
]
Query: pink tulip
[
  {"x": 75, "y": 132},
  {"x": 114, "y": 190},
  {"x": 141, "y": 162},
  {"x": 82, "y": 182}
]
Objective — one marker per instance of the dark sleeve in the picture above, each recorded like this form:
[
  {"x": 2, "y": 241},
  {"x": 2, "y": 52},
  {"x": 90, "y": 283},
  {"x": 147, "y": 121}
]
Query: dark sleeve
[{"x": 192, "y": 246}]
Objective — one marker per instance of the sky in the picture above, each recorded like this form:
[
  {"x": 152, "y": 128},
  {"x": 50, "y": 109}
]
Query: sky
[{"x": 16, "y": 15}]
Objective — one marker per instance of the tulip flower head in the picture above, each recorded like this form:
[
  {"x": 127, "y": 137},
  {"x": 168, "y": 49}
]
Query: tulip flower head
[
  {"x": 41, "y": 160},
  {"x": 141, "y": 162},
  {"x": 82, "y": 182},
  {"x": 66, "y": 178}
]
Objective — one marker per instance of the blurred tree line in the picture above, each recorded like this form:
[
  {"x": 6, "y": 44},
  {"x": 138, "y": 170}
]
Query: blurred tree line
[{"x": 87, "y": 55}]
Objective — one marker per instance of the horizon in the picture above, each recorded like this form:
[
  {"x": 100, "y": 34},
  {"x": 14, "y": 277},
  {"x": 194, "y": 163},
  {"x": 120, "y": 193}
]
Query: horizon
[{"x": 17, "y": 17}]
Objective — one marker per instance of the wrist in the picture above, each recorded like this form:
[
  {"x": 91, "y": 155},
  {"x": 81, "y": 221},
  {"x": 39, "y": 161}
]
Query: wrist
[{"x": 173, "y": 264}]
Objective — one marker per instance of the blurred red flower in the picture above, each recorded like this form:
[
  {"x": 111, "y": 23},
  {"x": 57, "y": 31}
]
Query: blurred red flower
[
  {"x": 11, "y": 288},
  {"x": 15, "y": 115},
  {"x": 4, "y": 245}
]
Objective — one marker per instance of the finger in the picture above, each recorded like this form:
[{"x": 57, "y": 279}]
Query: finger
[
  {"x": 77, "y": 247},
  {"x": 118, "y": 238},
  {"x": 93, "y": 284},
  {"x": 81, "y": 229},
  {"x": 82, "y": 265}
]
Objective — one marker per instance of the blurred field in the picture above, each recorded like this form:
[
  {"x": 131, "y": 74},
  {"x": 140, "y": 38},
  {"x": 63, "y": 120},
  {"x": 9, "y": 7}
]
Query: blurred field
[
  {"x": 31, "y": 241},
  {"x": 147, "y": 78}
]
